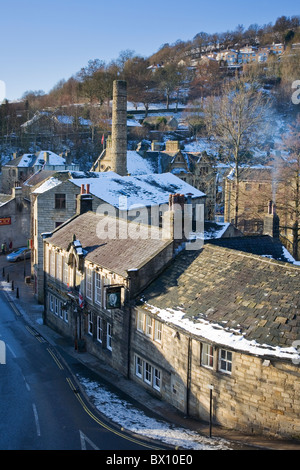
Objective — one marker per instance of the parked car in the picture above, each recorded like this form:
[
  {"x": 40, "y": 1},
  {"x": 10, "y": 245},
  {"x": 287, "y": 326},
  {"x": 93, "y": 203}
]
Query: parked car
[{"x": 19, "y": 254}]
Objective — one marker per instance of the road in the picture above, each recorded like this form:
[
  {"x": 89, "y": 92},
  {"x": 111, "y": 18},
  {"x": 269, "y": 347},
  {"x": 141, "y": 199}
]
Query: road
[{"x": 41, "y": 407}]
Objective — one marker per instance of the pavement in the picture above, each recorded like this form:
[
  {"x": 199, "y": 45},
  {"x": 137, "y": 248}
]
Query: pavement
[{"x": 21, "y": 296}]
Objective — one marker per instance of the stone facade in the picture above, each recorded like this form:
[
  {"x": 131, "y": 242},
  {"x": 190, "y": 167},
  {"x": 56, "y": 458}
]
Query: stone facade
[
  {"x": 234, "y": 333},
  {"x": 50, "y": 208},
  {"x": 15, "y": 215},
  {"x": 19, "y": 169},
  {"x": 257, "y": 396},
  {"x": 256, "y": 188},
  {"x": 84, "y": 268}
]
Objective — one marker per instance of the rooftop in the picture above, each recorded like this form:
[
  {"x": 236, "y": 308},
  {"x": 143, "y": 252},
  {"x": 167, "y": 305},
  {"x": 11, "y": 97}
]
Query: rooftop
[
  {"x": 31, "y": 160},
  {"x": 118, "y": 254},
  {"x": 140, "y": 191},
  {"x": 237, "y": 299}
]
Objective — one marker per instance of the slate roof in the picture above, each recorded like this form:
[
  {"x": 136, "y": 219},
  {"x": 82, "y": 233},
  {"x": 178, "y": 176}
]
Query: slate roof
[
  {"x": 262, "y": 245},
  {"x": 140, "y": 191},
  {"x": 4, "y": 198},
  {"x": 39, "y": 177},
  {"x": 28, "y": 160},
  {"x": 118, "y": 254},
  {"x": 245, "y": 294}
]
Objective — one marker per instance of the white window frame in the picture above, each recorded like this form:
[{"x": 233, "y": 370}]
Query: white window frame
[
  {"x": 139, "y": 367},
  {"x": 207, "y": 355},
  {"x": 156, "y": 378},
  {"x": 90, "y": 324},
  {"x": 60, "y": 309},
  {"x": 58, "y": 266},
  {"x": 109, "y": 336},
  {"x": 99, "y": 329},
  {"x": 98, "y": 288},
  {"x": 148, "y": 372},
  {"x": 51, "y": 303},
  {"x": 148, "y": 326},
  {"x": 65, "y": 271},
  {"x": 225, "y": 363},
  {"x": 66, "y": 315},
  {"x": 52, "y": 263},
  {"x": 157, "y": 331},
  {"x": 56, "y": 305},
  {"x": 89, "y": 283},
  {"x": 140, "y": 321}
]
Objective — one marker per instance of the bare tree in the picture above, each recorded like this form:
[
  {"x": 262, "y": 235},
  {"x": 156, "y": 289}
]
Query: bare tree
[
  {"x": 235, "y": 120},
  {"x": 288, "y": 189}
]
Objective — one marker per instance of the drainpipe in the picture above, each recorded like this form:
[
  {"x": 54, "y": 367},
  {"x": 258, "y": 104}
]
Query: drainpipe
[
  {"x": 127, "y": 303},
  {"x": 188, "y": 375}
]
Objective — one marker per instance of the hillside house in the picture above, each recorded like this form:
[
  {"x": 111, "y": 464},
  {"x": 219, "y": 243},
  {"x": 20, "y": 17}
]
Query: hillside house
[
  {"x": 258, "y": 187},
  {"x": 14, "y": 219},
  {"x": 19, "y": 169}
]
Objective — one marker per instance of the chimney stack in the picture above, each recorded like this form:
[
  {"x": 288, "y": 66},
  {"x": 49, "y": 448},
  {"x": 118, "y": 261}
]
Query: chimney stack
[
  {"x": 84, "y": 200},
  {"x": 174, "y": 220},
  {"x": 271, "y": 221},
  {"x": 118, "y": 149}
]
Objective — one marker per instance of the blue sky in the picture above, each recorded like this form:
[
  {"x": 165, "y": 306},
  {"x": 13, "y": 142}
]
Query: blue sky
[{"x": 44, "y": 41}]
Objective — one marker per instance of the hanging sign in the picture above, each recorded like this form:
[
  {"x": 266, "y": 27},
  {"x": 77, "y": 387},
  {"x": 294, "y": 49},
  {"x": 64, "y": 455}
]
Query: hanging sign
[{"x": 113, "y": 297}]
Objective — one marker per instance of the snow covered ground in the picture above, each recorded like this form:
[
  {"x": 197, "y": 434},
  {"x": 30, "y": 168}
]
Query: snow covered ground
[{"x": 134, "y": 420}]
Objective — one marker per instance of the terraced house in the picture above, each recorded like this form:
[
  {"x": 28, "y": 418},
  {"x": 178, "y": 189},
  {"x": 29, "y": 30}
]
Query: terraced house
[
  {"x": 90, "y": 281},
  {"x": 227, "y": 321},
  {"x": 183, "y": 324}
]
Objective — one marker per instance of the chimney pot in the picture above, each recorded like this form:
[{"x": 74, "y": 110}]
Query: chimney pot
[
  {"x": 87, "y": 189},
  {"x": 82, "y": 191}
]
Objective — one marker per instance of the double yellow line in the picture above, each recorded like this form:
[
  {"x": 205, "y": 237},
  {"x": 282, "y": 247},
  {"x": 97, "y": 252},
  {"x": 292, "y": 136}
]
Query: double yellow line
[
  {"x": 35, "y": 334},
  {"x": 57, "y": 361},
  {"x": 98, "y": 421}
]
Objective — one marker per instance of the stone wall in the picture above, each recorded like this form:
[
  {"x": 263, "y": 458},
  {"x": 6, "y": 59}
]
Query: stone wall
[{"x": 258, "y": 396}]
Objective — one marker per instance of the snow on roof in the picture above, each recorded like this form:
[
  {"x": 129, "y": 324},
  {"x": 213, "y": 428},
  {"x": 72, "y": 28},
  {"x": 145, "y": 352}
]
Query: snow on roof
[
  {"x": 226, "y": 337},
  {"x": 140, "y": 191},
  {"x": 54, "y": 159},
  {"x": 30, "y": 159},
  {"x": 49, "y": 184},
  {"x": 27, "y": 160},
  {"x": 137, "y": 165}
]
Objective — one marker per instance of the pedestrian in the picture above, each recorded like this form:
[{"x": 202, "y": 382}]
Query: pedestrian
[
  {"x": 2, "y": 249},
  {"x": 10, "y": 245}
]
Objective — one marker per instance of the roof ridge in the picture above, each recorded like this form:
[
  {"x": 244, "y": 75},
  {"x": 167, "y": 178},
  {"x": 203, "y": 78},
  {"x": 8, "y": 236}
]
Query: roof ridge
[{"x": 282, "y": 264}]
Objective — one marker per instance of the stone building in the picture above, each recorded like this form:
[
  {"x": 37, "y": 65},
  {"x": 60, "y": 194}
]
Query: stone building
[
  {"x": 90, "y": 282},
  {"x": 19, "y": 169},
  {"x": 227, "y": 321},
  {"x": 14, "y": 219},
  {"x": 143, "y": 198},
  {"x": 177, "y": 323},
  {"x": 195, "y": 169},
  {"x": 52, "y": 203},
  {"x": 258, "y": 188}
]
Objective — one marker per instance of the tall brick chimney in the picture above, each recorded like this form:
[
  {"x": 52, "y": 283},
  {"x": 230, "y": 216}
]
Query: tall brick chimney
[{"x": 118, "y": 149}]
